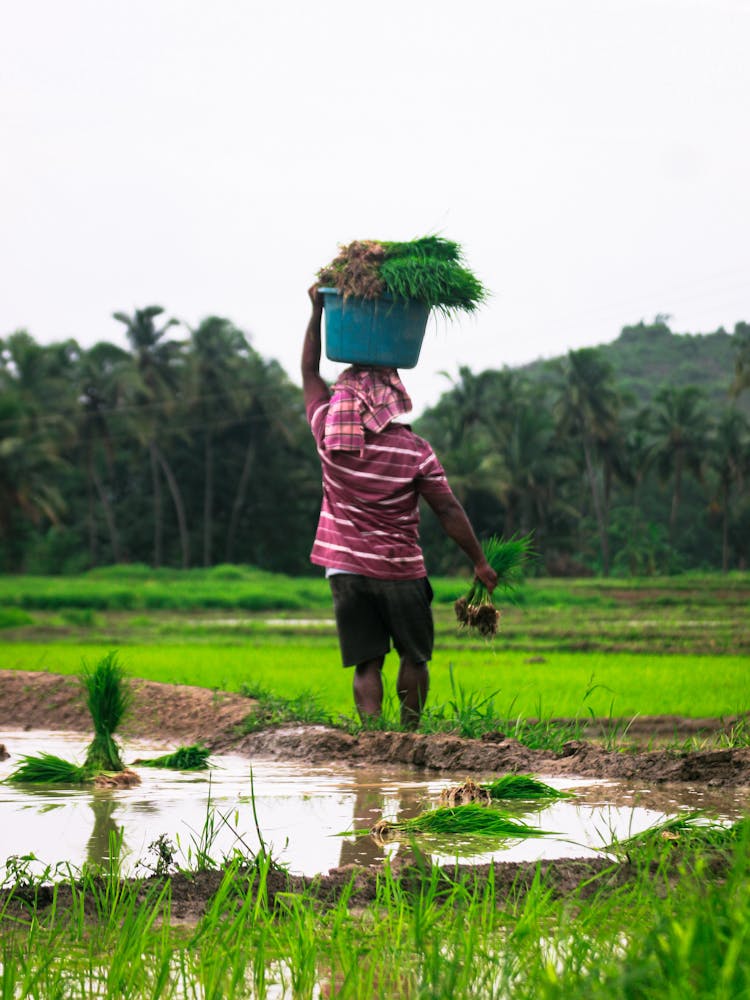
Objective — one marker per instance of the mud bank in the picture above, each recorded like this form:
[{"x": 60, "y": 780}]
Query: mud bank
[{"x": 170, "y": 712}]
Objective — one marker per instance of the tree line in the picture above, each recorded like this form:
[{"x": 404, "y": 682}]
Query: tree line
[
  {"x": 190, "y": 449},
  {"x": 605, "y": 481},
  {"x": 182, "y": 451}
]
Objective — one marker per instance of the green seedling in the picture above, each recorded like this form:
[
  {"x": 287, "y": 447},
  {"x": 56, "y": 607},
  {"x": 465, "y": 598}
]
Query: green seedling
[
  {"x": 476, "y": 609},
  {"x": 47, "y": 769},
  {"x": 471, "y": 819},
  {"x": 107, "y": 699},
  {"x": 428, "y": 270},
  {"x": 192, "y": 758},
  {"x": 523, "y": 786}
]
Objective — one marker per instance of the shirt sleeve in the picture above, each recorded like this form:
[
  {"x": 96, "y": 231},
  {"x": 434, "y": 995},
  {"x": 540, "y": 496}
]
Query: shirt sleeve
[
  {"x": 431, "y": 479},
  {"x": 316, "y": 416}
]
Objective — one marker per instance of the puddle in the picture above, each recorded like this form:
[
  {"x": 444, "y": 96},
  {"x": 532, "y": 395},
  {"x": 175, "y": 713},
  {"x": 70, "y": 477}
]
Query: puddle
[{"x": 301, "y": 809}]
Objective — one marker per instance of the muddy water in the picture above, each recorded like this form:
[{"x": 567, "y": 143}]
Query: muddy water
[{"x": 301, "y": 811}]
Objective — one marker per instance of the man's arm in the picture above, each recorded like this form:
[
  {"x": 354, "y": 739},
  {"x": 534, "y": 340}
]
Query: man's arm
[
  {"x": 457, "y": 526},
  {"x": 314, "y": 387}
]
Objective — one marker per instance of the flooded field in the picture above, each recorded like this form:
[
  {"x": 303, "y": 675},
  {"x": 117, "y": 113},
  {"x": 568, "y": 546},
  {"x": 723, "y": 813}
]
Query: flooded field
[{"x": 303, "y": 810}]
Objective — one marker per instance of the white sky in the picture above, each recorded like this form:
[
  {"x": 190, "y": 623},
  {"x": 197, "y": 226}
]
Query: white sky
[{"x": 592, "y": 156}]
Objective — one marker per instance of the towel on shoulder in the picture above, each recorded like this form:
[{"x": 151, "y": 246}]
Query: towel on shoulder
[{"x": 363, "y": 399}]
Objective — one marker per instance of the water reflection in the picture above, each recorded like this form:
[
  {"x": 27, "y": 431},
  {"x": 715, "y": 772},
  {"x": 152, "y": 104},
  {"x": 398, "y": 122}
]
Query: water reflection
[
  {"x": 371, "y": 803},
  {"x": 105, "y": 843},
  {"x": 301, "y": 811}
]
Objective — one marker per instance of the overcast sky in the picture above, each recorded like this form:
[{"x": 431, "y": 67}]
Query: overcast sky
[{"x": 592, "y": 156}]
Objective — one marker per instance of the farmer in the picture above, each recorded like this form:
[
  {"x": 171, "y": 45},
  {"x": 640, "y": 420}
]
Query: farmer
[{"x": 374, "y": 472}]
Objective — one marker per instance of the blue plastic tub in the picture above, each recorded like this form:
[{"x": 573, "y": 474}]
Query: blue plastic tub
[{"x": 373, "y": 331}]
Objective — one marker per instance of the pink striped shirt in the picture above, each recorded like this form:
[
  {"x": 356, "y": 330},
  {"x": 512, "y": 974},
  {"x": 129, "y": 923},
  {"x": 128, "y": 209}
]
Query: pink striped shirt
[{"x": 369, "y": 517}]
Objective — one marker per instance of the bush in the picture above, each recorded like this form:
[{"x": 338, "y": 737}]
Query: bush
[{"x": 14, "y": 618}]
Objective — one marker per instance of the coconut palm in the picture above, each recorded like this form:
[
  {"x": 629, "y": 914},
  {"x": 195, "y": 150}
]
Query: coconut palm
[
  {"x": 33, "y": 434},
  {"x": 106, "y": 378},
  {"x": 159, "y": 363},
  {"x": 730, "y": 460},
  {"x": 678, "y": 440},
  {"x": 216, "y": 394},
  {"x": 742, "y": 358},
  {"x": 271, "y": 409},
  {"x": 527, "y": 466},
  {"x": 29, "y": 469},
  {"x": 587, "y": 409}
]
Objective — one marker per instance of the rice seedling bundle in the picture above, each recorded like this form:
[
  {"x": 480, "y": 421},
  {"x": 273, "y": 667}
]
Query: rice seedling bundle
[
  {"x": 430, "y": 270},
  {"x": 192, "y": 758},
  {"x": 689, "y": 829},
  {"x": 471, "y": 819},
  {"x": 476, "y": 609},
  {"x": 107, "y": 699},
  {"x": 523, "y": 786},
  {"x": 47, "y": 769}
]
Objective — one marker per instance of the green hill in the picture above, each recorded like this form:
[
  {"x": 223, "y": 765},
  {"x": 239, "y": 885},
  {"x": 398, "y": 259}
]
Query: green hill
[{"x": 646, "y": 357}]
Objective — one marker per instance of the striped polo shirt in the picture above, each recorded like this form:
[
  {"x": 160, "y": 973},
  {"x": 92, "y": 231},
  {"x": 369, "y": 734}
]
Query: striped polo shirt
[{"x": 369, "y": 517}]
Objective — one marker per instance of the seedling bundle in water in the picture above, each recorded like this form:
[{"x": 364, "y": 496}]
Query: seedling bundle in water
[
  {"x": 467, "y": 820},
  {"x": 520, "y": 787},
  {"x": 429, "y": 270},
  {"x": 107, "y": 699},
  {"x": 476, "y": 609},
  {"x": 192, "y": 758}
]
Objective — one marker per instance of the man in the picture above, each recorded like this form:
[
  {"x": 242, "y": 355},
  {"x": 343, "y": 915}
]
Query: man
[{"x": 374, "y": 472}]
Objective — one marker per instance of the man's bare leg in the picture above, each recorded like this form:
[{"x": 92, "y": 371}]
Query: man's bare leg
[
  {"x": 412, "y": 685},
  {"x": 368, "y": 688}
]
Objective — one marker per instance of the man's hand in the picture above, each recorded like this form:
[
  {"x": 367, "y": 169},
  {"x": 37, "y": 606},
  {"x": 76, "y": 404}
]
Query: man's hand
[
  {"x": 316, "y": 296},
  {"x": 486, "y": 574}
]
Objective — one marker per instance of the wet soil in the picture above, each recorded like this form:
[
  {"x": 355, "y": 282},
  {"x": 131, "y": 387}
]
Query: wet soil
[
  {"x": 184, "y": 715},
  {"x": 190, "y": 894},
  {"x": 39, "y": 700}
]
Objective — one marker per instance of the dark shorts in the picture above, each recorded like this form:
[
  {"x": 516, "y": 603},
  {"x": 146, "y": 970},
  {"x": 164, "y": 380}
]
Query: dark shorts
[{"x": 370, "y": 613}]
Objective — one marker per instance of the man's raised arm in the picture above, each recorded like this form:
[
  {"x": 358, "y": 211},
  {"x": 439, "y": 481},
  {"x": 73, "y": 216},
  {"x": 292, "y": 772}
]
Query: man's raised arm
[{"x": 313, "y": 386}]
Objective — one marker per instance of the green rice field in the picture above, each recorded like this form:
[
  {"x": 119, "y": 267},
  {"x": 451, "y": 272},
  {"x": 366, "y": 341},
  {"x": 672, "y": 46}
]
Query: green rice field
[
  {"x": 669, "y": 918},
  {"x": 566, "y": 648},
  {"x": 565, "y": 684}
]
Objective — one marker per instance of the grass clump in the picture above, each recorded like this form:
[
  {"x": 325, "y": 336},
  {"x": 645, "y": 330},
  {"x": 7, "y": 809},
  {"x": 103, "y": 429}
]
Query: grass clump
[
  {"x": 476, "y": 609},
  {"x": 192, "y": 758},
  {"x": 430, "y": 270},
  {"x": 272, "y": 709}
]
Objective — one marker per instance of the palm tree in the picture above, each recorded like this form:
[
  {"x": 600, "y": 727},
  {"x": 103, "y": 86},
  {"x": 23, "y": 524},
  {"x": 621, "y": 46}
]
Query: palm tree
[
  {"x": 158, "y": 361},
  {"x": 218, "y": 350},
  {"x": 587, "y": 410},
  {"x": 32, "y": 439},
  {"x": 265, "y": 392},
  {"x": 678, "y": 440},
  {"x": 730, "y": 459},
  {"x": 519, "y": 431},
  {"x": 107, "y": 378},
  {"x": 742, "y": 358}
]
